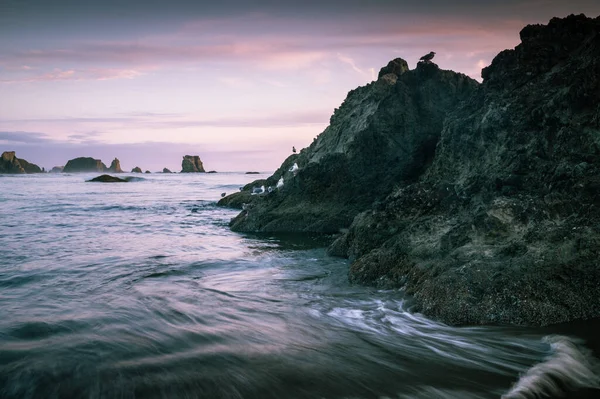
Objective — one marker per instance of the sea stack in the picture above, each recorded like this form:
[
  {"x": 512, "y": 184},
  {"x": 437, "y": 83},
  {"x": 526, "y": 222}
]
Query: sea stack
[
  {"x": 479, "y": 200},
  {"x": 115, "y": 166},
  {"x": 192, "y": 164},
  {"x": 166, "y": 170},
  {"x": 9, "y": 163},
  {"x": 137, "y": 169},
  {"x": 84, "y": 164}
]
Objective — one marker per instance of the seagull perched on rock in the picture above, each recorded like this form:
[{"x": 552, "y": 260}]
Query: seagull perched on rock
[
  {"x": 428, "y": 57},
  {"x": 293, "y": 149},
  {"x": 223, "y": 195},
  {"x": 280, "y": 182},
  {"x": 258, "y": 190}
]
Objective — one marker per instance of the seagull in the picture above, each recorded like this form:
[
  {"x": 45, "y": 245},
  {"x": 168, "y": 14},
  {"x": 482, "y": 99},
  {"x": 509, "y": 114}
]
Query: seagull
[
  {"x": 294, "y": 169},
  {"x": 223, "y": 195},
  {"x": 428, "y": 57},
  {"x": 280, "y": 183},
  {"x": 258, "y": 190},
  {"x": 270, "y": 189},
  {"x": 293, "y": 149}
]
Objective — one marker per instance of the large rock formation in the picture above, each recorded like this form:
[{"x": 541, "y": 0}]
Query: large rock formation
[
  {"x": 192, "y": 164},
  {"x": 9, "y": 163},
  {"x": 504, "y": 227},
  {"x": 383, "y": 134},
  {"x": 492, "y": 209},
  {"x": 84, "y": 164},
  {"x": 115, "y": 166}
]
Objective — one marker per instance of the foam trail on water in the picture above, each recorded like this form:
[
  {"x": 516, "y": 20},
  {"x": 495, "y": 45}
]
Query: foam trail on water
[{"x": 570, "y": 367}]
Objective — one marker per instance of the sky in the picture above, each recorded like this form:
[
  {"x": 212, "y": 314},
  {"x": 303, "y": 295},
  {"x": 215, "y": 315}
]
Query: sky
[{"x": 237, "y": 82}]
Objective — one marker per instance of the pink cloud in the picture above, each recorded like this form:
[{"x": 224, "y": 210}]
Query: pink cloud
[{"x": 77, "y": 75}]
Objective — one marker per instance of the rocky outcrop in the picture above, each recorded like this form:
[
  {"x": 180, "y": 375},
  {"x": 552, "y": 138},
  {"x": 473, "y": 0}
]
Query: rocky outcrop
[
  {"x": 57, "y": 169},
  {"x": 84, "y": 164},
  {"x": 504, "y": 227},
  {"x": 107, "y": 179},
  {"x": 9, "y": 163},
  {"x": 384, "y": 134},
  {"x": 137, "y": 169},
  {"x": 165, "y": 170},
  {"x": 490, "y": 212},
  {"x": 192, "y": 164},
  {"x": 147, "y": 171},
  {"x": 115, "y": 166}
]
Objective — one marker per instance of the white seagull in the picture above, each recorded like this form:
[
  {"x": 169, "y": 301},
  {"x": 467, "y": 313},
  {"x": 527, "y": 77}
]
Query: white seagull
[
  {"x": 294, "y": 169},
  {"x": 280, "y": 183}
]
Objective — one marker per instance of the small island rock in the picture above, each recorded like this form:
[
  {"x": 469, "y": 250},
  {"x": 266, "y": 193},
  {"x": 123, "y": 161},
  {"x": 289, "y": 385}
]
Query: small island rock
[
  {"x": 84, "y": 164},
  {"x": 165, "y": 170},
  {"x": 136, "y": 170},
  {"x": 115, "y": 166},
  {"x": 192, "y": 164},
  {"x": 107, "y": 179},
  {"x": 9, "y": 163}
]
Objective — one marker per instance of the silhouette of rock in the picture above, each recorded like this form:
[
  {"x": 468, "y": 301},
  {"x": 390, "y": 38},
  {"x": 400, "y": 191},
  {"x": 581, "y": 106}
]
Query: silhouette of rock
[
  {"x": 84, "y": 164},
  {"x": 9, "y": 163},
  {"x": 136, "y": 170},
  {"x": 107, "y": 179},
  {"x": 115, "y": 166},
  {"x": 165, "y": 170},
  {"x": 192, "y": 164}
]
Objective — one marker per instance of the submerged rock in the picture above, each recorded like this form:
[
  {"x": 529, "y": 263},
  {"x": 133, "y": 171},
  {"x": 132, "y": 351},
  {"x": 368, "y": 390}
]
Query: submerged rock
[
  {"x": 481, "y": 201},
  {"x": 192, "y": 164},
  {"x": 115, "y": 166},
  {"x": 9, "y": 163},
  {"x": 107, "y": 179},
  {"x": 84, "y": 164}
]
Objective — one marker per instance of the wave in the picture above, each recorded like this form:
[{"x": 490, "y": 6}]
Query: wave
[{"x": 570, "y": 369}]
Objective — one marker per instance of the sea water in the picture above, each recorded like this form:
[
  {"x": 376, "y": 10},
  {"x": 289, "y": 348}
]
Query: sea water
[{"x": 140, "y": 289}]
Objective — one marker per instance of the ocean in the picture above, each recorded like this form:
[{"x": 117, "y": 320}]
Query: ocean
[{"x": 140, "y": 290}]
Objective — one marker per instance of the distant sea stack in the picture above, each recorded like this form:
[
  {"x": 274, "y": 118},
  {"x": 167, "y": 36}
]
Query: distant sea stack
[
  {"x": 137, "y": 169},
  {"x": 192, "y": 164},
  {"x": 84, "y": 164},
  {"x": 165, "y": 170},
  {"x": 57, "y": 169},
  {"x": 115, "y": 166},
  {"x": 479, "y": 200},
  {"x": 9, "y": 163}
]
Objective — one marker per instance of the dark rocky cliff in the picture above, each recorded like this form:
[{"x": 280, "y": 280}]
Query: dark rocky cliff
[
  {"x": 504, "y": 227},
  {"x": 384, "y": 134},
  {"x": 84, "y": 164},
  {"x": 485, "y": 210},
  {"x": 9, "y": 163}
]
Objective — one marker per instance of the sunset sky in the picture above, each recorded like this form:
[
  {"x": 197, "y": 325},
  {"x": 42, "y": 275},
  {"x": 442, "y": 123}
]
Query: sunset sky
[{"x": 236, "y": 82}]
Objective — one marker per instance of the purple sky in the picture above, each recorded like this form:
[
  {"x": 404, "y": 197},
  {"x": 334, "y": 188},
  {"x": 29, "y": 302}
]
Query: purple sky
[{"x": 236, "y": 82}]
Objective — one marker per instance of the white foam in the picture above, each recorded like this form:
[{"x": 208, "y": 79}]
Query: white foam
[{"x": 571, "y": 366}]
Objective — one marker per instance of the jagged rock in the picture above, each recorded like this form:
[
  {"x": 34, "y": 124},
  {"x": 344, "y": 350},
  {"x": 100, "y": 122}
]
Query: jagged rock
[
  {"x": 385, "y": 133},
  {"x": 396, "y": 67},
  {"x": 165, "y": 170},
  {"x": 9, "y": 163},
  {"x": 495, "y": 218},
  {"x": 115, "y": 166},
  {"x": 84, "y": 164},
  {"x": 57, "y": 169},
  {"x": 107, "y": 179},
  {"x": 136, "y": 170},
  {"x": 192, "y": 164},
  {"x": 504, "y": 227}
]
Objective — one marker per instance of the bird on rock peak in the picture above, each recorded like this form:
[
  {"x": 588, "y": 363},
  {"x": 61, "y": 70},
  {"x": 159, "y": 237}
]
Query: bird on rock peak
[{"x": 428, "y": 57}]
